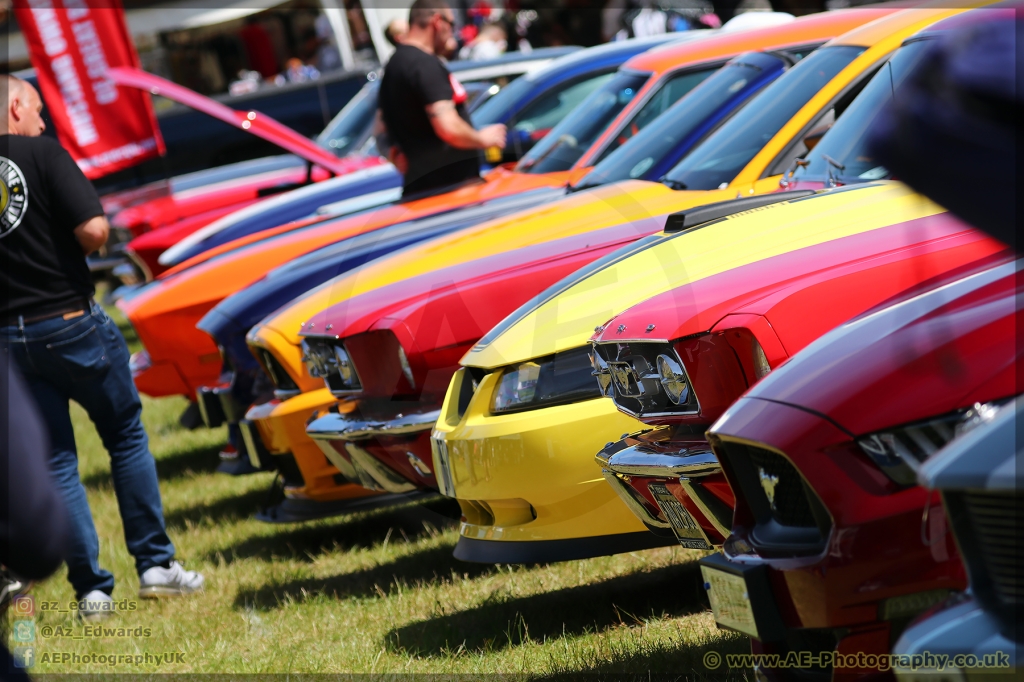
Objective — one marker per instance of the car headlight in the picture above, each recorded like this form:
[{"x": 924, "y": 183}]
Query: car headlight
[
  {"x": 318, "y": 363},
  {"x": 643, "y": 378},
  {"x": 899, "y": 452},
  {"x": 562, "y": 378},
  {"x": 284, "y": 386},
  {"x": 673, "y": 379},
  {"x": 327, "y": 358}
]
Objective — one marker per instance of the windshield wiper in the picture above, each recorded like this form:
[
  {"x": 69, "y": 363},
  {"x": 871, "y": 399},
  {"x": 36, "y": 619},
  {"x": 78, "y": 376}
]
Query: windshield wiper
[
  {"x": 833, "y": 179},
  {"x": 563, "y": 139},
  {"x": 673, "y": 184}
]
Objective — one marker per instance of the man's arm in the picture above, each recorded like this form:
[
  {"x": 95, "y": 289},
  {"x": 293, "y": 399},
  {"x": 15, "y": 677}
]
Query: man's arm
[
  {"x": 451, "y": 128},
  {"x": 92, "y": 234}
]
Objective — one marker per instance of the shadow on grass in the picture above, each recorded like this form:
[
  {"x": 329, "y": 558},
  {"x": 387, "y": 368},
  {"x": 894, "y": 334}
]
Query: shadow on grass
[
  {"x": 224, "y": 510},
  {"x": 503, "y": 622},
  {"x": 691, "y": 661},
  {"x": 429, "y": 566},
  {"x": 201, "y": 460},
  {"x": 306, "y": 543}
]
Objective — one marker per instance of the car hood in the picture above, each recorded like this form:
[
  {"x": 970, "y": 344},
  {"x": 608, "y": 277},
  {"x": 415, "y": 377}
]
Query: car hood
[
  {"x": 566, "y": 314},
  {"x": 775, "y": 287},
  {"x": 925, "y": 355},
  {"x": 640, "y": 205},
  {"x": 367, "y": 185},
  {"x": 223, "y": 271},
  {"x": 240, "y": 311}
]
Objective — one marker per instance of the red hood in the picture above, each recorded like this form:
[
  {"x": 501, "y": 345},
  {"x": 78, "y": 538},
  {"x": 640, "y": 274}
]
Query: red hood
[
  {"x": 926, "y": 355},
  {"x": 851, "y": 271},
  {"x": 452, "y": 308},
  {"x": 258, "y": 124}
]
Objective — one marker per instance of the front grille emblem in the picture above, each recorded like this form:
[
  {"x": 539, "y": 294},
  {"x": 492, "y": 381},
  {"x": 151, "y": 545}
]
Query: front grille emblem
[
  {"x": 768, "y": 484},
  {"x": 625, "y": 379}
]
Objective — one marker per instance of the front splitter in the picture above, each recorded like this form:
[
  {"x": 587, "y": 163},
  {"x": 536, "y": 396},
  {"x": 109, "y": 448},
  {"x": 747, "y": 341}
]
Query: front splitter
[
  {"x": 550, "y": 551},
  {"x": 292, "y": 510}
]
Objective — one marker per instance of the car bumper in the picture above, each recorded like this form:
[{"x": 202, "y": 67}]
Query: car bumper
[
  {"x": 392, "y": 453},
  {"x": 281, "y": 426},
  {"x": 874, "y": 570},
  {"x": 671, "y": 486},
  {"x": 962, "y": 628},
  {"x": 528, "y": 478}
]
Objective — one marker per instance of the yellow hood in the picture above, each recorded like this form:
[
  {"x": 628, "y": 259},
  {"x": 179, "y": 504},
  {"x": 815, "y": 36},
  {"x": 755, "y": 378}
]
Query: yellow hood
[{"x": 565, "y": 315}]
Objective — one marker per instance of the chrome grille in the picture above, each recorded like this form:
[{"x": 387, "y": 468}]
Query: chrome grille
[
  {"x": 997, "y": 521},
  {"x": 630, "y": 371}
]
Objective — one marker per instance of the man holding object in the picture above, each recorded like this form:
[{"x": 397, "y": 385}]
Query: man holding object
[
  {"x": 423, "y": 107},
  {"x": 68, "y": 349}
]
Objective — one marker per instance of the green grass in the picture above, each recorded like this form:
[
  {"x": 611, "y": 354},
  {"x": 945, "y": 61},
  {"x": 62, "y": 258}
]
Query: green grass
[{"x": 378, "y": 592}]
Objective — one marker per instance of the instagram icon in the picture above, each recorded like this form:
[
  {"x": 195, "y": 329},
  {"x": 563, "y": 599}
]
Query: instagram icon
[{"x": 24, "y": 606}]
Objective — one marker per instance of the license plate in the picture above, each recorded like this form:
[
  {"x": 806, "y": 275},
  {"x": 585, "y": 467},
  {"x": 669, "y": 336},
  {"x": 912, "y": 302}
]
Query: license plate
[
  {"x": 687, "y": 530},
  {"x": 444, "y": 474},
  {"x": 245, "y": 426},
  {"x": 730, "y": 600}
]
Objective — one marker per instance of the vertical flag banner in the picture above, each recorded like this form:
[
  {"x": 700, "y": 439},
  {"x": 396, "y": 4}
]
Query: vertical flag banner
[{"x": 72, "y": 43}]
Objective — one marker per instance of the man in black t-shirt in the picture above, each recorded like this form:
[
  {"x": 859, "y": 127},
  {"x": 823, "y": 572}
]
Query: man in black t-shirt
[
  {"x": 423, "y": 107},
  {"x": 68, "y": 349}
]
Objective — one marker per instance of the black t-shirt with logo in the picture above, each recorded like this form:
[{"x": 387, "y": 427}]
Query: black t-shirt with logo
[
  {"x": 43, "y": 198},
  {"x": 412, "y": 80}
]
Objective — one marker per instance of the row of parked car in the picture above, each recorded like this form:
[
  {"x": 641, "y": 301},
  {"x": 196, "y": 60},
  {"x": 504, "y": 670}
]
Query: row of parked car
[{"x": 690, "y": 305}]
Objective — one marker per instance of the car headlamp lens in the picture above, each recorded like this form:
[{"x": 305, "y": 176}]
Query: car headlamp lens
[
  {"x": 899, "y": 452},
  {"x": 761, "y": 366},
  {"x": 562, "y": 378},
  {"x": 673, "y": 379},
  {"x": 406, "y": 369},
  {"x": 344, "y": 364}
]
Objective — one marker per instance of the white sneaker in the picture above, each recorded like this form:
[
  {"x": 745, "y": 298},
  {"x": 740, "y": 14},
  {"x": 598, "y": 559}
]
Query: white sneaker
[
  {"x": 95, "y": 606},
  {"x": 169, "y": 582}
]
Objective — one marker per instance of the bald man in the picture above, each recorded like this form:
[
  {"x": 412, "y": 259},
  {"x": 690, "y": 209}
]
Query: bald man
[{"x": 68, "y": 349}]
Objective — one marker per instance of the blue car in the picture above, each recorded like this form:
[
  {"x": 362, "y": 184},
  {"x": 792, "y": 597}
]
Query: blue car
[{"x": 690, "y": 119}]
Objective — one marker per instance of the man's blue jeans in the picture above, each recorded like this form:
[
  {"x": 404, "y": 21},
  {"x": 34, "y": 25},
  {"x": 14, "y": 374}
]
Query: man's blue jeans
[{"x": 85, "y": 359}]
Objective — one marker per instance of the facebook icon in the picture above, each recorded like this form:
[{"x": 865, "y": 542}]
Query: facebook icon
[{"x": 24, "y": 656}]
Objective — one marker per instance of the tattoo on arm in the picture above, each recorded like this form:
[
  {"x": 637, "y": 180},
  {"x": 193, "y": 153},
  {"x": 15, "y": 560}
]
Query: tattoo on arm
[{"x": 437, "y": 109}]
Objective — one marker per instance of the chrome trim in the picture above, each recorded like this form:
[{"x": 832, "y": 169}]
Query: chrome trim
[
  {"x": 285, "y": 395},
  {"x": 626, "y": 494},
  {"x": 339, "y": 462},
  {"x": 246, "y": 427},
  {"x": 233, "y": 410},
  {"x": 639, "y": 460},
  {"x": 713, "y": 509},
  {"x": 386, "y": 477},
  {"x": 341, "y": 427}
]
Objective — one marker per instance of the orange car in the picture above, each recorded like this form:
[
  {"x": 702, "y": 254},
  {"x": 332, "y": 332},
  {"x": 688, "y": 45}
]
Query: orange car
[{"x": 179, "y": 358}]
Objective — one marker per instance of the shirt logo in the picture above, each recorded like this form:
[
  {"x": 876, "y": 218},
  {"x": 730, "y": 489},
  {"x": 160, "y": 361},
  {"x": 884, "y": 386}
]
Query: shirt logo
[
  {"x": 459, "y": 92},
  {"x": 13, "y": 196}
]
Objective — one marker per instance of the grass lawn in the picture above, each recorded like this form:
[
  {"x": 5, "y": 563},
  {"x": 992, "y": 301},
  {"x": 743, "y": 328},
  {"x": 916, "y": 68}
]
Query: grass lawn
[{"x": 377, "y": 592}]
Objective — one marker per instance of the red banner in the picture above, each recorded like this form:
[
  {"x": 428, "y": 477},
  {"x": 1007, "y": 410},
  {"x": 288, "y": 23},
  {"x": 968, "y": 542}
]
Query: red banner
[{"x": 72, "y": 43}]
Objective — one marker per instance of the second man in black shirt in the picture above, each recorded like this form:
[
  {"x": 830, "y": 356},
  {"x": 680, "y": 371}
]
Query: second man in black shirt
[{"x": 423, "y": 107}]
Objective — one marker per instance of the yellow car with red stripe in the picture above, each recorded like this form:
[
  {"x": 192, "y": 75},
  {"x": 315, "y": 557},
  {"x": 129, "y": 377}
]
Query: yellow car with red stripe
[
  {"x": 519, "y": 454},
  {"x": 782, "y": 114}
]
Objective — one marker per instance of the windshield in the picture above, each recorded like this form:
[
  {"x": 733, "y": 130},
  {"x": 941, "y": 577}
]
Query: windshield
[
  {"x": 724, "y": 154},
  {"x": 353, "y": 123},
  {"x": 670, "y": 92},
  {"x": 660, "y": 145},
  {"x": 567, "y": 141},
  {"x": 497, "y": 108},
  {"x": 846, "y": 143}
]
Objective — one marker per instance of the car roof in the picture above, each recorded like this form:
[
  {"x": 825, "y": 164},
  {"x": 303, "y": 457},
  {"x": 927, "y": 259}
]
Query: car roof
[{"x": 816, "y": 27}]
